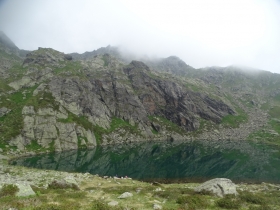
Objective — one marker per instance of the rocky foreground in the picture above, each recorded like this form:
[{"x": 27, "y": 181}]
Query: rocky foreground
[{"x": 47, "y": 189}]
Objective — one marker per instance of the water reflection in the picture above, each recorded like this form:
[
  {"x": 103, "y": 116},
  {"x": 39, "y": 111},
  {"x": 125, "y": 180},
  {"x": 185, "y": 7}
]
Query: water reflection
[{"x": 240, "y": 161}]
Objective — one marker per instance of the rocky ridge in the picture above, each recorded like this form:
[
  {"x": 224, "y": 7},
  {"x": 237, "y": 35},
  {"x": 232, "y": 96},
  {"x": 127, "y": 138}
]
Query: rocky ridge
[{"x": 101, "y": 97}]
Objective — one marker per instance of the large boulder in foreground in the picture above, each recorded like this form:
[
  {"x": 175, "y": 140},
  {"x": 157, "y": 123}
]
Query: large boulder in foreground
[
  {"x": 24, "y": 190},
  {"x": 219, "y": 187}
]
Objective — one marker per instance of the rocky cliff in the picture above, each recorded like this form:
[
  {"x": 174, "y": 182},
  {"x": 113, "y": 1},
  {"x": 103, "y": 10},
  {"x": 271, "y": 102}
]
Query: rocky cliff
[{"x": 57, "y": 101}]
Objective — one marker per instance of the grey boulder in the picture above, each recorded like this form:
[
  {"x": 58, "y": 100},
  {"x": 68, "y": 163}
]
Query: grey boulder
[
  {"x": 219, "y": 187},
  {"x": 24, "y": 190}
]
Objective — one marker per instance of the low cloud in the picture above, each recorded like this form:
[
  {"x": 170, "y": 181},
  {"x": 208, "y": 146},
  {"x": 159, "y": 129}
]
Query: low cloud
[{"x": 202, "y": 32}]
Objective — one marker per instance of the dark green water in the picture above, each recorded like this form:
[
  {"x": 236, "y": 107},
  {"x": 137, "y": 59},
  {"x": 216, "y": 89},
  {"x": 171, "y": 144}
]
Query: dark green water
[{"x": 169, "y": 161}]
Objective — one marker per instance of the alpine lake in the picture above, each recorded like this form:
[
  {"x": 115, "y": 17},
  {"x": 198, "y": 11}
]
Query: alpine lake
[{"x": 169, "y": 161}]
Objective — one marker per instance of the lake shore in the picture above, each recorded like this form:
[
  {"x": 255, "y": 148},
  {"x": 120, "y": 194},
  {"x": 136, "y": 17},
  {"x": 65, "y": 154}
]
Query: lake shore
[{"x": 95, "y": 192}]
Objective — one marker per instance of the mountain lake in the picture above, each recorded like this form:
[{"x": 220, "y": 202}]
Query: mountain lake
[{"x": 169, "y": 161}]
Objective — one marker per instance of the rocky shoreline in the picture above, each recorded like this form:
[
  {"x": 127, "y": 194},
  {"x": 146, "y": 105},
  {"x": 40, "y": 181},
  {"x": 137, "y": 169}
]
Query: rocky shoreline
[{"x": 113, "y": 192}]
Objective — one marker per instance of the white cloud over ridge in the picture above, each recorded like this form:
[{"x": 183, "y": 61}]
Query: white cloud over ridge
[{"x": 201, "y": 32}]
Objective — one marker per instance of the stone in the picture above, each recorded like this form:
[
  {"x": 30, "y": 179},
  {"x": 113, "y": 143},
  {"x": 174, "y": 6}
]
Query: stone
[
  {"x": 3, "y": 157},
  {"x": 24, "y": 81},
  {"x": 24, "y": 190},
  {"x": 4, "y": 111},
  {"x": 157, "y": 207},
  {"x": 113, "y": 203},
  {"x": 219, "y": 187},
  {"x": 28, "y": 110},
  {"x": 125, "y": 195},
  {"x": 158, "y": 189}
]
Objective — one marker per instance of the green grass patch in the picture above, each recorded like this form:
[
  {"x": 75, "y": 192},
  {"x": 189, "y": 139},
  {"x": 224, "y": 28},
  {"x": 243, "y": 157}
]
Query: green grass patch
[
  {"x": 170, "y": 126},
  {"x": 4, "y": 87},
  {"x": 80, "y": 120},
  {"x": 116, "y": 123},
  {"x": 235, "y": 120},
  {"x": 34, "y": 146},
  {"x": 193, "y": 87},
  {"x": 193, "y": 202},
  {"x": 80, "y": 139},
  {"x": 16, "y": 72},
  {"x": 265, "y": 106},
  {"x": 268, "y": 135},
  {"x": 275, "y": 124},
  {"x": 106, "y": 60},
  {"x": 71, "y": 67},
  {"x": 43, "y": 99},
  {"x": 274, "y": 112},
  {"x": 12, "y": 123}
]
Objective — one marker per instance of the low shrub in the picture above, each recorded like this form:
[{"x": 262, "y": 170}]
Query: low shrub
[
  {"x": 229, "y": 202},
  {"x": 64, "y": 206},
  {"x": 8, "y": 190},
  {"x": 262, "y": 207},
  {"x": 98, "y": 205},
  {"x": 252, "y": 198},
  {"x": 193, "y": 202},
  {"x": 62, "y": 184}
]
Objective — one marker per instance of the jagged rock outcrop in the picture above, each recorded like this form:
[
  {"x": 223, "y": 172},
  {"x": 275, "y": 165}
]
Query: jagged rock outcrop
[
  {"x": 45, "y": 57},
  {"x": 44, "y": 127}
]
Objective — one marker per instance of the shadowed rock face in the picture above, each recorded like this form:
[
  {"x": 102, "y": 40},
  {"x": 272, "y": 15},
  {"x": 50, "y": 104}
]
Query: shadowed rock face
[
  {"x": 171, "y": 100},
  {"x": 134, "y": 96}
]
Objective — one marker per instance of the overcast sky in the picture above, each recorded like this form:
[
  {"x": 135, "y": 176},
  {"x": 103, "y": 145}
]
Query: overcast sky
[{"x": 200, "y": 32}]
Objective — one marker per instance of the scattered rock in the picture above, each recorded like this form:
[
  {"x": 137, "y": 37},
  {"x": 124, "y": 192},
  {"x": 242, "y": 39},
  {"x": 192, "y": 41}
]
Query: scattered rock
[
  {"x": 157, "y": 206},
  {"x": 113, "y": 203},
  {"x": 219, "y": 187},
  {"x": 126, "y": 195},
  {"x": 4, "y": 111},
  {"x": 158, "y": 189},
  {"x": 3, "y": 157}
]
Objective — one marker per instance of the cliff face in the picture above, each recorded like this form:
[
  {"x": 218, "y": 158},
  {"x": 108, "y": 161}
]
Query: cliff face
[
  {"x": 101, "y": 90},
  {"x": 56, "y": 102}
]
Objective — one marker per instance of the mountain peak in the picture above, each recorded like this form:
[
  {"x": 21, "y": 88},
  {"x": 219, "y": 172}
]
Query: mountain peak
[{"x": 7, "y": 42}]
